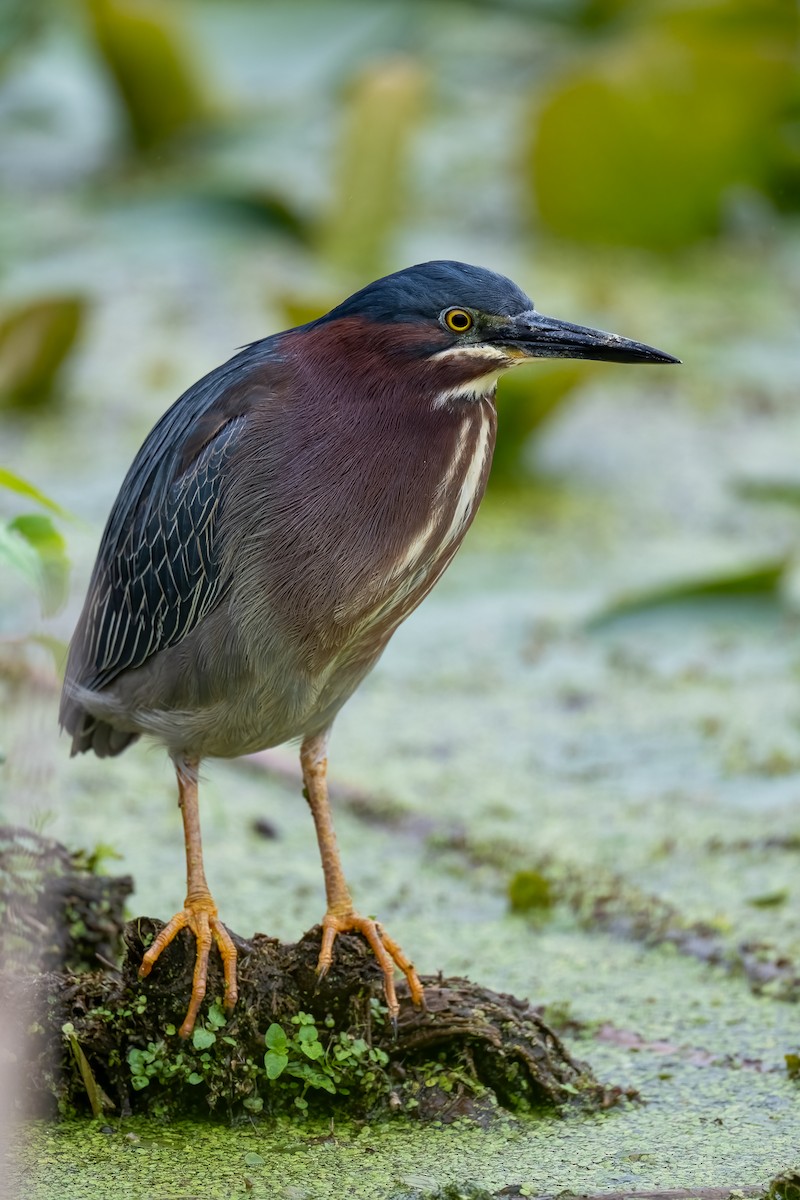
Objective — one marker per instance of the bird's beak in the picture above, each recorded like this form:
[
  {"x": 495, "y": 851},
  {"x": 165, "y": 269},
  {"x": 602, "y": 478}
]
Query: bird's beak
[{"x": 533, "y": 335}]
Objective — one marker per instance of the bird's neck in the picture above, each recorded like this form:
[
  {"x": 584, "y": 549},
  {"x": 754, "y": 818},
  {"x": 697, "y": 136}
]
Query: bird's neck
[{"x": 393, "y": 468}]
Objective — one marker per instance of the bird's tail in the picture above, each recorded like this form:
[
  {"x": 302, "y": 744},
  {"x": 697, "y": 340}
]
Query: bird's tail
[{"x": 90, "y": 732}]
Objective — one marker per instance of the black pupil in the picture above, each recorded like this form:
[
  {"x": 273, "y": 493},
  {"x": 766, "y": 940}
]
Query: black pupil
[{"x": 459, "y": 320}]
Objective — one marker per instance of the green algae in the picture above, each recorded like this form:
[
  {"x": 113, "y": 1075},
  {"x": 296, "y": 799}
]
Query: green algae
[{"x": 141, "y": 1160}]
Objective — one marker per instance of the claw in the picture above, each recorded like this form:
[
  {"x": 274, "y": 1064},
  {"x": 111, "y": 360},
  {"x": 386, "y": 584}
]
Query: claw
[
  {"x": 200, "y": 916},
  {"x": 385, "y": 949}
]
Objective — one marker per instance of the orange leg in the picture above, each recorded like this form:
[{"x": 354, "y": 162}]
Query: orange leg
[
  {"x": 341, "y": 917},
  {"x": 199, "y": 912}
]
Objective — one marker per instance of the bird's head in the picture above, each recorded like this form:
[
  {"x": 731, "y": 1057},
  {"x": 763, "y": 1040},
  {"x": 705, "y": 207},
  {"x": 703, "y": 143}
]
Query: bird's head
[{"x": 462, "y": 326}]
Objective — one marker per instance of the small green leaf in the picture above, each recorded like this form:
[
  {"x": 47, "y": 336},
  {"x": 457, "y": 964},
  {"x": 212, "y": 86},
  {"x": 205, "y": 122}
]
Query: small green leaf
[
  {"x": 252, "y": 1159},
  {"x": 142, "y": 1081},
  {"x": 275, "y": 1063},
  {"x": 311, "y": 1076},
  {"x": 203, "y": 1038},
  {"x": 275, "y": 1039},
  {"x": 137, "y": 1060},
  {"x": 253, "y": 1104},
  {"x": 312, "y": 1049},
  {"x": 216, "y": 1016},
  {"x": 318, "y": 1080},
  {"x": 307, "y": 1033},
  {"x": 194, "y": 1078}
]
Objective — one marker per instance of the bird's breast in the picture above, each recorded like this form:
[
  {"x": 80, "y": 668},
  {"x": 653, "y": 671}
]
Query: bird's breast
[{"x": 427, "y": 535}]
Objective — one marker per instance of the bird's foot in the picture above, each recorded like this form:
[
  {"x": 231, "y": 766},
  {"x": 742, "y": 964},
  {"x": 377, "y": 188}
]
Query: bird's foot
[
  {"x": 200, "y": 916},
  {"x": 385, "y": 949}
]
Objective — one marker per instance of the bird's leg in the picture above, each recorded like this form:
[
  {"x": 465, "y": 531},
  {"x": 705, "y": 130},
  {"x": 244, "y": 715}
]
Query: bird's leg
[
  {"x": 341, "y": 917},
  {"x": 199, "y": 913}
]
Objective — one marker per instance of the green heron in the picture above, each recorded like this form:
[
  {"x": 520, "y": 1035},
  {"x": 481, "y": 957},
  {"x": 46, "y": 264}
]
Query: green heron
[{"x": 280, "y": 521}]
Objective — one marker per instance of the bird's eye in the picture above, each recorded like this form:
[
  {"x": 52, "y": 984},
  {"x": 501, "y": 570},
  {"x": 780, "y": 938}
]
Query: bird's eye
[{"x": 458, "y": 320}]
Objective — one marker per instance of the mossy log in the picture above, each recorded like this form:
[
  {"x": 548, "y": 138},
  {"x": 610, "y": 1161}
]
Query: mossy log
[
  {"x": 101, "y": 1038},
  {"x": 108, "y": 1040}
]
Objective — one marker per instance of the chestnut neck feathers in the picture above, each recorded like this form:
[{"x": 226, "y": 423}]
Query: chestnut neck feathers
[{"x": 379, "y": 483}]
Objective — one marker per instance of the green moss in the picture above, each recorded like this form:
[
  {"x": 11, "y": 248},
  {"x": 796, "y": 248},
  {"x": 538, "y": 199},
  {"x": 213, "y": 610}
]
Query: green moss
[{"x": 530, "y": 890}]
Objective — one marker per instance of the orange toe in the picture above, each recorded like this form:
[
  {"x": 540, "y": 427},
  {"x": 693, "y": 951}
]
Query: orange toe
[
  {"x": 200, "y": 916},
  {"x": 386, "y": 950}
]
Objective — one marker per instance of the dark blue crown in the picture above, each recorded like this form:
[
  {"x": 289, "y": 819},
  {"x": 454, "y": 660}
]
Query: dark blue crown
[{"x": 424, "y": 290}]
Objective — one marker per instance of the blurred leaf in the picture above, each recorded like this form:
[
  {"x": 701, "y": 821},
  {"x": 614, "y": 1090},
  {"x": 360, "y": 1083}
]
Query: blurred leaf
[
  {"x": 145, "y": 55},
  {"x": 20, "y": 555},
  {"x": 594, "y": 14},
  {"x": 381, "y": 113},
  {"x": 243, "y": 202},
  {"x": 49, "y": 567},
  {"x": 779, "y": 491},
  {"x": 641, "y": 145},
  {"x": 56, "y": 647},
  {"x": 769, "y": 899},
  {"x": 20, "y": 21},
  {"x": 526, "y": 399},
  {"x": 299, "y": 310},
  {"x": 747, "y": 579},
  {"x": 34, "y": 341},
  {"x": 15, "y": 483}
]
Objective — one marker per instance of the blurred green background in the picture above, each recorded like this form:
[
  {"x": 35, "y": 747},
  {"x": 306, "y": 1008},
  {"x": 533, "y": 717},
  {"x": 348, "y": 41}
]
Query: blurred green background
[{"x": 607, "y": 676}]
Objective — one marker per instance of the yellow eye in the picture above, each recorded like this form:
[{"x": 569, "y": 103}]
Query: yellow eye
[{"x": 458, "y": 320}]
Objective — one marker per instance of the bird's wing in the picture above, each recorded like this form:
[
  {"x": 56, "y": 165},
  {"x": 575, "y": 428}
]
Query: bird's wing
[{"x": 158, "y": 570}]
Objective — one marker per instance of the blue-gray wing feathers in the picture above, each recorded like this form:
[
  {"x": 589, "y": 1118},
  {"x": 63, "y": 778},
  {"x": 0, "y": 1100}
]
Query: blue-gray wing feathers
[{"x": 158, "y": 570}]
